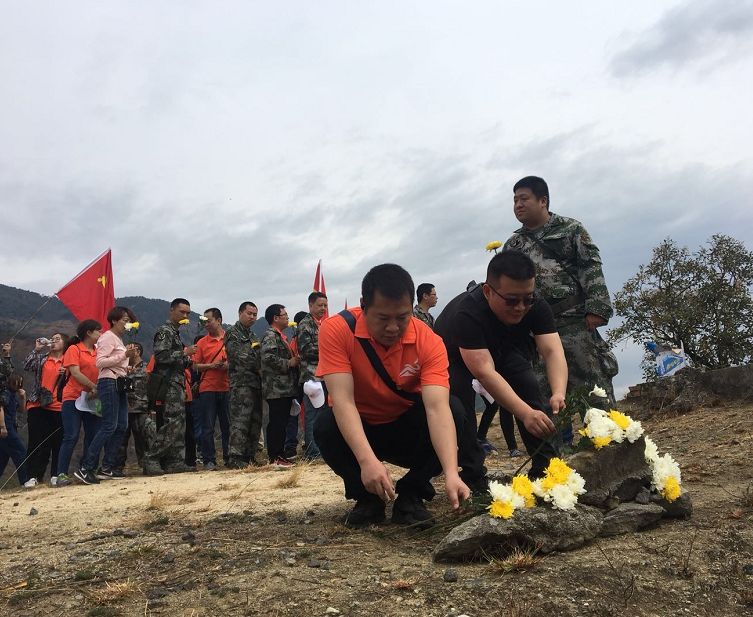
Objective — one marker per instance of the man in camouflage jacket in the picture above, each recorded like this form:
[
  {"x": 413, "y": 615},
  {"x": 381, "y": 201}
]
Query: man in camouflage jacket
[
  {"x": 171, "y": 358},
  {"x": 279, "y": 381},
  {"x": 308, "y": 350},
  {"x": 570, "y": 278},
  {"x": 140, "y": 422},
  {"x": 244, "y": 371},
  {"x": 426, "y": 298}
]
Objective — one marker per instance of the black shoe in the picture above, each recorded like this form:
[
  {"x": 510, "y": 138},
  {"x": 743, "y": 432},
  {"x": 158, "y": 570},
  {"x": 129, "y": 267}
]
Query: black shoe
[
  {"x": 178, "y": 468},
  {"x": 236, "y": 463},
  {"x": 368, "y": 510},
  {"x": 85, "y": 476},
  {"x": 409, "y": 509},
  {"x": 479, "y": 487},
  {"x": 103, "y": 473}
]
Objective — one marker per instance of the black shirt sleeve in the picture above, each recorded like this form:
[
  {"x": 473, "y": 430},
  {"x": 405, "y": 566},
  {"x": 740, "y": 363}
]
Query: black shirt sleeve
[{"x": 541, "y": 319}]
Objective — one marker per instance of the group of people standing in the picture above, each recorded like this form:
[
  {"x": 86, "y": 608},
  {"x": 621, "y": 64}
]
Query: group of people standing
[{"x": 383, "y": 382}]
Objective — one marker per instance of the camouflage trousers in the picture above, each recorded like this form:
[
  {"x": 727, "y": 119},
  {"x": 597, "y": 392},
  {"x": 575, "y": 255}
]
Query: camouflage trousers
[
  {"x": 245, "y": 423},
  {"x": 168, "y": 447},
  {"x": 142, "y": 427},
  {"x": 589, "y": 360}
]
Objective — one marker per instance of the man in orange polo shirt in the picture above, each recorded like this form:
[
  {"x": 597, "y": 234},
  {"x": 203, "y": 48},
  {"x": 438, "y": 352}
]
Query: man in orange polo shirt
[
  {"x": 405, "y": 416},
  {"x": 213, "y": 404}
]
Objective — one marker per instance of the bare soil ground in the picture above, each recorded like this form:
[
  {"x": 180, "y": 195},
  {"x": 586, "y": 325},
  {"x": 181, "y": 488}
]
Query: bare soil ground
[{"x": 244, "y": 543}]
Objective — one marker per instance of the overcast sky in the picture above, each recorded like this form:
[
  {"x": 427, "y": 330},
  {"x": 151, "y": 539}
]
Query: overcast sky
[{"x": 222, "y": 148}]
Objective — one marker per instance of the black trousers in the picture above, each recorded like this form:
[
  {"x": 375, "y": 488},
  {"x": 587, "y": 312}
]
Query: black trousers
[
  {"x": 471, "y": 456},
  {"x": 279, "y": 413},
  {"x": 45, "y": 437},
  {"x": 506, "y": 421},
  {"x": 404, "y": 442}
]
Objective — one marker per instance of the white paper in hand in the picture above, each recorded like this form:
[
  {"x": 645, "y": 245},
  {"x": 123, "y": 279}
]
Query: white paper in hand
[
  {"x": 479, "y": 389},
  {"x": 314, "y": 390},
  {"x": 84, "y": 403}
]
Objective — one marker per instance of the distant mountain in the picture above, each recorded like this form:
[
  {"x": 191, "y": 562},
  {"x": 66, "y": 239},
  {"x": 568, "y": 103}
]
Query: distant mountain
[{"x": 18, "y": 305}]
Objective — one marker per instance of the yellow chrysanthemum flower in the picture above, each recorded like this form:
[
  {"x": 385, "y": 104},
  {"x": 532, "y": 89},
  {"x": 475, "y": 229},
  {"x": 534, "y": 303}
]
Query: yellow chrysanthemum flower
[
  {"x": 600, "y": 442},
  {"x": 524, "y": 487},
  {"x": 558, "y": 470},
  {"x": 493, "y": 246},
  {"x": 292, "y": 324},
  {"x": 620, "y": 419},
  {"x": 184, "y": 322},
  {"x": 671, "y": 490},
  {"x": 501, "y": 509},
  {"x": 255, "y": 344},
  {"x": 583, "y": 432}
]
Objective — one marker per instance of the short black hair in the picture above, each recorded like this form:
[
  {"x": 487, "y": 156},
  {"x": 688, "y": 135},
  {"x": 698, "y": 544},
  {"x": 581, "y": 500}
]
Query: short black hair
[
  {"x": 315, "y": 295},
  {"x": 140, "y": 347},
  {"x": 116, "y": 314},
  {"x": 512, "y": 264},
  {"x": 178, "y": 301},
  {"x": 299, "y": 315},
  {"x": 273, "y": 310},
  {"x": 390, "y": 280},
  {"x": 215, "y": 312},
  {"x": 536, "y": 185},
  {"x": 245, "y": 305},
  {"x": 423, "y": 288}
]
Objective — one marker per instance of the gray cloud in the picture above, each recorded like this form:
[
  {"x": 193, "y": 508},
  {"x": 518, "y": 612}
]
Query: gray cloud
[{"x": 704, "y": 33}]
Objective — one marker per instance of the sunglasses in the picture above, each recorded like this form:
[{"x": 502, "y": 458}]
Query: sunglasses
[{"x": 513, "y": 301}]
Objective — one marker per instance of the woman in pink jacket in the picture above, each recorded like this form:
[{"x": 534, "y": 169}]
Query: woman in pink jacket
[{"x": 112, "y": 362}]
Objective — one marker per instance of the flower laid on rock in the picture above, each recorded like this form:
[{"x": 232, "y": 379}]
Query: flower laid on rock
[
  {"x": 603, "y": 428},
  {"x": 132, "y": 325},
  {"x": 560, "y": 487},
  {"x": 493, "y": 246},
  {"x": 666, "y": 477}
]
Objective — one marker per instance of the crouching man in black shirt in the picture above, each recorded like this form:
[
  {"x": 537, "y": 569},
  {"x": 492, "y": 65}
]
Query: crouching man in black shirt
[{"x": 491, "y": 332}]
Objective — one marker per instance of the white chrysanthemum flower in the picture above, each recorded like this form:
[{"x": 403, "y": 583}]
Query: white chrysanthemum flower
[
  {"x": 562, "y": 497},
  {"x": 592, "y": 413},
  {"x": 576, "y": 483},
  {"x": 634, "y": 431},
  {"x": 537, "y": 490},
  {"x": 651, "y": 453},
  {"x": 617, "y": 434},
  {"x": 597, "y": 391},
  {"x": 600, "y": 426},
  {"x": 504, "y": 493}
]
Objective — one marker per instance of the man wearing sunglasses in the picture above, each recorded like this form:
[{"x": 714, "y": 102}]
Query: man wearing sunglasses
[{"x": 492, "y": 333}]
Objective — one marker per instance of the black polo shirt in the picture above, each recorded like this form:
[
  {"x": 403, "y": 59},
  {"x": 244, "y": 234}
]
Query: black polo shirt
[{"x": 468, "y": 322}]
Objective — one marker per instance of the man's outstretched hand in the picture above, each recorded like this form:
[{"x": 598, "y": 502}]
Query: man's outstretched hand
[
  {"x": 377, "y": 480},
  {"x": 456, "y": 490}
]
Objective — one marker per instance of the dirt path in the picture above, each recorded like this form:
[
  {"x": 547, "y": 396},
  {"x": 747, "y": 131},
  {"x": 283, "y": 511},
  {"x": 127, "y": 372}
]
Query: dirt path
[{"x": 237, "y": 543}]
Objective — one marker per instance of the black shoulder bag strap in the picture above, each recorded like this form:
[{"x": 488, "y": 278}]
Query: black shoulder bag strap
[
  {"x": 376, "y": 363},
  {"x": 565, "y": 305}
]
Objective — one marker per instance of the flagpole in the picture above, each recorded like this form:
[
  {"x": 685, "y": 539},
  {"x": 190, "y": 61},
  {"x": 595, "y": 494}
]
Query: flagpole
[{"x": 28, "y": 321}]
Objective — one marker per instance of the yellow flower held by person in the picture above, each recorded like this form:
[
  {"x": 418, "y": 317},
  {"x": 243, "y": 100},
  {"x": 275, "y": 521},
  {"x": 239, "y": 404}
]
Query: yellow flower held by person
[
  {"x": 292, "y": 324},
  {"x": 501, "y": 509},
  {"x": 184, "y": 322},
  {"x": 620, "y": 419},
  {"x": 132, "y": 325},
  {"x": 255, "y": 344},
  {"x": 493, "y": 246}
]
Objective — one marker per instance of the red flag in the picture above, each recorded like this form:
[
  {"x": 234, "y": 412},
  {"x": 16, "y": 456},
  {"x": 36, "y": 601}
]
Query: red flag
[
  {"x": 319, "y": 282},
  {"x": 90, "y": 295}
]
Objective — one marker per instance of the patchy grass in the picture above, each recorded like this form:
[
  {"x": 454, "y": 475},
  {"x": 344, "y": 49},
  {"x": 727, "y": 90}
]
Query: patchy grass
[
  {"x": 113, "y": 592},
  {"x": 84, "y": 575},
  {"x": 519, "y": 560},
  {"x": 158, "y": 501},
  {"x": 293, "y": 478},
  {"x": 157, "y": 521}
]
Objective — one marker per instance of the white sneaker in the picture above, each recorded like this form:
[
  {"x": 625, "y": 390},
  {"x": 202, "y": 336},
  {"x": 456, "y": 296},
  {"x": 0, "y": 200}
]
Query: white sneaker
[
  {"x": 54, "y": 481},
  {"x": 30, "y": 483}
]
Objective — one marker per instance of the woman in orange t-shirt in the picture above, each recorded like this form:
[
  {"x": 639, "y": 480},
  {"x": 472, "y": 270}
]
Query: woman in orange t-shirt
[
  {"x": 43, "y": 415},
  {"x": 81, "y": 362}
]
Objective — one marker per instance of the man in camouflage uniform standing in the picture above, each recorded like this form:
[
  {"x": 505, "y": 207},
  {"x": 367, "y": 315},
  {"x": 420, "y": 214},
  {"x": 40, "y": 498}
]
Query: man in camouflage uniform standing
[
  {"x": 171, "y": 359},
  {"x": 569, "y": 277},
  {"x": 308, "y": 350},
  {"x": 279, "y": 376},
  {"x": 244, "y": 371},
  {"x": 140, "y": 422},
  {"x": 426, "y": 298}
]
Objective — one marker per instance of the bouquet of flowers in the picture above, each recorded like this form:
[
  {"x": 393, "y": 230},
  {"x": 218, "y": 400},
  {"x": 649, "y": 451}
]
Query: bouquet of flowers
[{"x": 666, "y": 478}]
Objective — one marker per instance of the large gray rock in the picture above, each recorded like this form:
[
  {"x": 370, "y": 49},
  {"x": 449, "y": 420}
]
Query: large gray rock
[
  {"x": 682, "y": 507},
  {"x": 630, "y": 517},
  {"x": 618, "y": 470},
  {"x": 542, "y": 527}
]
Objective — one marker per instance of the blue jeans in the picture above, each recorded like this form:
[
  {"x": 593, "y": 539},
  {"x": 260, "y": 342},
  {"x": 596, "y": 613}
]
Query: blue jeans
[
  {"x": 12, "y": 448},
  {"x": 72, "y": 421},
  {"x": 113, "y": 428},
  {"x": 309, "y": 415},
  {"x": 213, "y": 406}
]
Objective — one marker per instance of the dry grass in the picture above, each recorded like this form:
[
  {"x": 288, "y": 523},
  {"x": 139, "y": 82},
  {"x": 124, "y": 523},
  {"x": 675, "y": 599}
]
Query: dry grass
[
  {"x": 227, "y": 486},
  {"x": 158, "y": 501},
  {"x": 404, "y": 583},
  {"x": 746, "y": 499},
  {"x": 256, "y": 469},
  {"x": 519, "y": 560},
  {"x": 293, "y": 478},
  {"x": 113, "y": 592}
]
